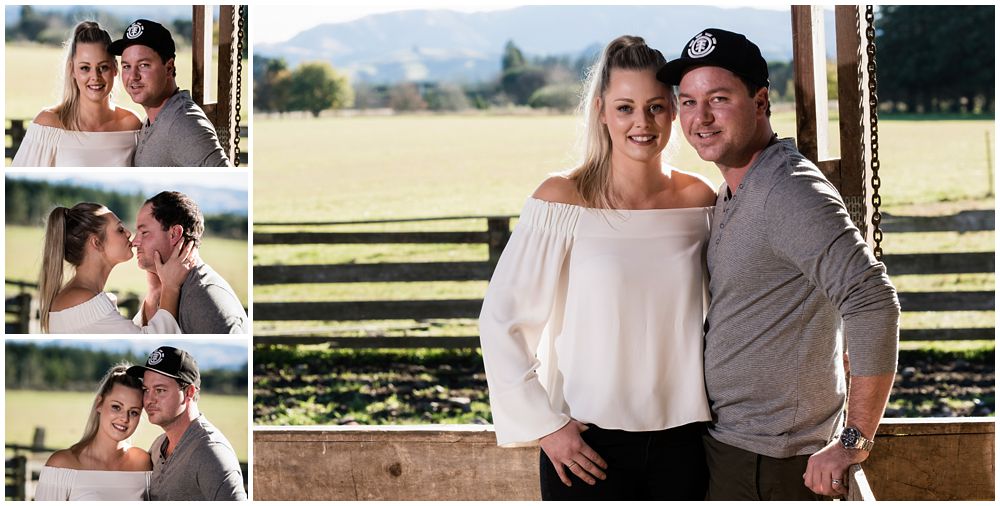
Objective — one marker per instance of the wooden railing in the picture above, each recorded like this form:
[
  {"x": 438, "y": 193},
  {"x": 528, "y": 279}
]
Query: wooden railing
[
  {"x": 18, "y": 129},
  {"x": 950, "y": 459},
  {"x": 496, "y": 235},
  {"x": 21, "y": 306}
]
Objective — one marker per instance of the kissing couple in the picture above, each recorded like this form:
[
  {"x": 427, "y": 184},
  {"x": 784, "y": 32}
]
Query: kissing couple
[{"x": 185, "y": 295}]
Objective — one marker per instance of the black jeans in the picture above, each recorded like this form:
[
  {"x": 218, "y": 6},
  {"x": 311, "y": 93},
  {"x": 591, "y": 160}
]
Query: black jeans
[
  {"x": 740, "y": 475},
  {"x": 659, "y": 465}
]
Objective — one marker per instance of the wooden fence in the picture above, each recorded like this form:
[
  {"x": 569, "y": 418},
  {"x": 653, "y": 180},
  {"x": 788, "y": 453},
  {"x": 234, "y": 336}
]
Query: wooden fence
[
  {"x": 495, "y": 236},
  {"x": 949, "y": 459},
  {"x": 23, "y": 311},
  {"x": 17, "y": 130}
]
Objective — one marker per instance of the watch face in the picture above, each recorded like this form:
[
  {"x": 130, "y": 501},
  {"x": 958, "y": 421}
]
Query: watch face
[{"x": 849, "y": 438}]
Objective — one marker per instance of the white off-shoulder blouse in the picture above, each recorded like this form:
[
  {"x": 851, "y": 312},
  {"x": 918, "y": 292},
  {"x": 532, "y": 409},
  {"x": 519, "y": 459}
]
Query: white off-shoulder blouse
[
  {"x": 45, "y": 146},
  {"x": 100, "y": 316},
  {"x": 59, "y": 484},
  {"x": 597, "y": 315}
]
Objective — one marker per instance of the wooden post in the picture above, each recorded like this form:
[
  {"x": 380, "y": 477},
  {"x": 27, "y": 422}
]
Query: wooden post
[
  {"x": 38, "y": 439},
  {"x": 24, "y": 313},
  {"x": 498, "y": 230},
  {"x": 222, "y": 111}
]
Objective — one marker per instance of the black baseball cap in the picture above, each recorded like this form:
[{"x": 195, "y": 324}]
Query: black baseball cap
[
  {"x": 169, "y": 361},
  {"x": 146, "y": 33},
  {"x": 715, "y": 47}
]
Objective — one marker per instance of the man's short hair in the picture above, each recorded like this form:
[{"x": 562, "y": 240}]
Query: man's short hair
[
  {"x": 752, "y": 88},
  {"x": 174, "y": 208}
]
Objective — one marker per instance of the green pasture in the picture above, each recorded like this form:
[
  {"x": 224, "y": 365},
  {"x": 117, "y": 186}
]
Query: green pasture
[
  {"x": 63, "y": 415},
  {"x": 24, "y": 259},
  {"x": 34, "y": 80}
]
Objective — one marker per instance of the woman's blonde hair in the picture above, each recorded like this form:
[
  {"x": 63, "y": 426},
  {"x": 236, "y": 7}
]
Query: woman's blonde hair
[
  {"x": 115, "y": 376},
  {"x": 593, "y": 177},
  {"x": 68, "y": 109},
  {"x": 66, "y": 234}
]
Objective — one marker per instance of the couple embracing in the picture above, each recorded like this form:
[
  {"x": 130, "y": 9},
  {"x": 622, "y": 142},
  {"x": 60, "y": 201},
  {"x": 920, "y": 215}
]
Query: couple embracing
[
  {"x": 661, "y": 340},
  {"x": 86, "y": 129},
  {"x": 185, "y": 295},
  {"x": 190, "y": 461}
]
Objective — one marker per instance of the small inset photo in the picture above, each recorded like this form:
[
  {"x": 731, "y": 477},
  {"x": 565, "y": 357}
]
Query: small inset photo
[
  {"x": 118, "y": 419},
  {"x": 122, "y": 86},
  {"x": 126, "y": 253}
]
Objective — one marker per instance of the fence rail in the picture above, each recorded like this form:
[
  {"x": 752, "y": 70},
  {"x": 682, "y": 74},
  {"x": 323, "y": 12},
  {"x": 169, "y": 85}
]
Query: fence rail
[
  {"x": 495, "y": 236},
  {"x": 17, "y": 131}
]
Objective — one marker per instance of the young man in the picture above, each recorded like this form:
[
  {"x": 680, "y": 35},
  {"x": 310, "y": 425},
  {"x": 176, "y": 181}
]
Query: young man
[
  {"x": 176, "y": 132},
  {"x": 192, "y": 460},
  {"x": 792, "y": 282},
  {"x": 208, "y": 305}
]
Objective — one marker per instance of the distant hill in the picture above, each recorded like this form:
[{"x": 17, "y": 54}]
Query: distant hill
[{"x": 441, "y": 45}]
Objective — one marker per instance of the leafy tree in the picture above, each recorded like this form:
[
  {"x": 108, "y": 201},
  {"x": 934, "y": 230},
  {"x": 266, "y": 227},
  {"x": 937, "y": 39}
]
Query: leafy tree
[
  {"x": 406, "y": 97},
  {"x": 272, "y": 85},
  {"x": 563, "y": 97},
  {"x": 512, "y": 57},
  {"x": 447, "y": 97},
  {"x": 519, "y": 83},
  {"x": 316, "y": 87},
  {"x": 936, "y": 57}
]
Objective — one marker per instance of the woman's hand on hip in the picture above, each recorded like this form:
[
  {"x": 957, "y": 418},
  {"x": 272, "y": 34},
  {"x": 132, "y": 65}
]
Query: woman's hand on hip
[
  {"x": 567, "y": 450},
  {"x": 174, "y": 271}
]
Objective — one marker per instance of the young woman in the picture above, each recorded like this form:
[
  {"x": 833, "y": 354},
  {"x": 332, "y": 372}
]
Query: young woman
[
  {"x": 93, "y": 240},
  {"x": 592, "y": 324},
  {"x": 103, "y": 465},
  {"x": 86, "y": 129}
]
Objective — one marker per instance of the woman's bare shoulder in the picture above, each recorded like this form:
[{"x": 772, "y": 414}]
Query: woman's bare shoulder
[
  {"x": 71, "y": 297},
  {"x": 558, "y": 189},
  {"x": 49, "y": 118},
  {"x": 64, "y": 459},
  {"x": 127, "y": 119},
  {"x": 138, "y": 460},
  {"x": 695, "y": 189}
]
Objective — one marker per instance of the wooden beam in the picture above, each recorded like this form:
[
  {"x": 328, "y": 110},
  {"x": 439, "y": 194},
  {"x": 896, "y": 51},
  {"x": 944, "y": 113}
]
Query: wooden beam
[
  {"x": 809, "y": 65},
  {"x": 381, "y": 342},
  {"x": 201, "y": 56},
  {"x": 367, "y": 310},
  {"x": 853, "y": 125},
  {"x": 940, "y": 263},
  {"x": 225, "y": 116},
  {"x": 372, "y": 273},
  {"x": 260, "y": 238}
]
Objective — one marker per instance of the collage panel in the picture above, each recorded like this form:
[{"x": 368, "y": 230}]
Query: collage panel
[
  {"x": 114, "y": 252},
  {"x": 119, "y": 86},
  {"x": 126, "y": 419}
]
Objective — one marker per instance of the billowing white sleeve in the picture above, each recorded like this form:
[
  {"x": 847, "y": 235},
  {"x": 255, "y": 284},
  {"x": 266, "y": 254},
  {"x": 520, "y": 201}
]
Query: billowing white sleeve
[
  {"x": 518, "y": 304},
  {"x": 54, "y": 484},
  {"x": 38, "y": 148}
]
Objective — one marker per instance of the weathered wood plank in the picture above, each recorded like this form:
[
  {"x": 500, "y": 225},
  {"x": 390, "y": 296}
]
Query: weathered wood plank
[
  {"x": 858, "y": 488},
  {"x": 376, "y": 342},
  {"x": 985, "y": 333},
  {"x": 947, "y": 301},
  {"x": 913, "y": 459},
  {"x": 368, "y": 310},
  {"x": 964, "y": 221},
  {"x": 370, "y": 273},
  {"x": 336, "y": 464},
  {"x": 261, "y": 238},
  {"x": 939, "y": 263},
  {"x": 933, "y": 459}
]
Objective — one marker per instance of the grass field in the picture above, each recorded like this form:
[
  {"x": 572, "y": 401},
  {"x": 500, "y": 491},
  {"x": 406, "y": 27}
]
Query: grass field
[
  {"x": 63, "y": 415},
  {"x": 413, "y": 166},
  {"x": 33, "y": 80},
  {"x": 24, "y": 259}
]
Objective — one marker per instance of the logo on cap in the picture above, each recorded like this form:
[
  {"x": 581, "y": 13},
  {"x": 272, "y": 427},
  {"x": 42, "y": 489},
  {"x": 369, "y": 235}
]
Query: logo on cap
[
  {"x": 134, "y": 30},
  {"x": 701, "y": 45},
  {"x": 156, "y": 357}
]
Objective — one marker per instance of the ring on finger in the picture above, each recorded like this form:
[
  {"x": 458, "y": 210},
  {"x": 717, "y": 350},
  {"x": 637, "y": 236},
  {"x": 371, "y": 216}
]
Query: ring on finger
[{"x": 573, "y": 464}]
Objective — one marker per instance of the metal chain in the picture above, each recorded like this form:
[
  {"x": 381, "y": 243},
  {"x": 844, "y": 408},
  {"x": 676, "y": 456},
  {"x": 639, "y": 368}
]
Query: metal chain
[
  {"x": 873, "y": 111},
  {"x": 241, "y": 22}
]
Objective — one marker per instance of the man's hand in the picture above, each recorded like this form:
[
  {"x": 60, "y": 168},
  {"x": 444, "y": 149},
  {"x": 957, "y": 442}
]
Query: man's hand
[
  {"x": 567, "y": 450},
  {"x": 831, "y": 464}
]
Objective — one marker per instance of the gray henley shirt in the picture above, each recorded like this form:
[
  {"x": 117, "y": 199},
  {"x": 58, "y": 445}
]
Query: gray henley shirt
[
  {"x": 181, "y": 136},
  {"x": 208, "y": 305},
  {"x": 791, "y": 280},
  {"x": 202, "y": 467}
]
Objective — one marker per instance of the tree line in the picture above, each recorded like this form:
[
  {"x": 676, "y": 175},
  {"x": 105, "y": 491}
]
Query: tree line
[
  {"x": 937, "y": 59},
  {"x": 930, "y": 59},
  {"x": 29, "y": 203},
  {"x": 29, "y": 366}
]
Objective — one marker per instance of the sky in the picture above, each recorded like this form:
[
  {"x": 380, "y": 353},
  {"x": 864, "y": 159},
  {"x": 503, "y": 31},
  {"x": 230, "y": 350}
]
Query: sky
[
  {"x": 223, "y": 178},
  {"x": 284, "y": 21}
]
